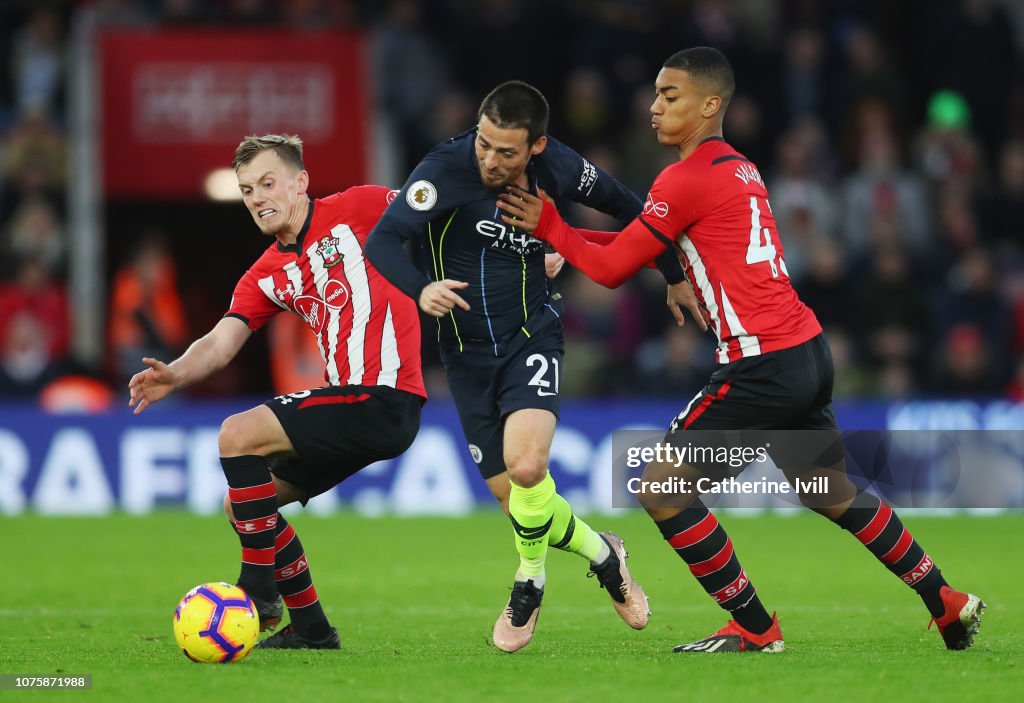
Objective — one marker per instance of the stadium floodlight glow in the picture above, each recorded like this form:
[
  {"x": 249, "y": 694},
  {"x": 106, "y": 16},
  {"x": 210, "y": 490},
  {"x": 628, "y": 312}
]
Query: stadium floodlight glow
[{"x": 222, "y": 185}]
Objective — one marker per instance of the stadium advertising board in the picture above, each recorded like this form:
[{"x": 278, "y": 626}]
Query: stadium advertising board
[
  {"x": 167, "y": 457},
  {"x": 175, "y": 102}
]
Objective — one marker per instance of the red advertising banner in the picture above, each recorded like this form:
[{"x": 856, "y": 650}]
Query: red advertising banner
[{"x": 175, "y": 103}]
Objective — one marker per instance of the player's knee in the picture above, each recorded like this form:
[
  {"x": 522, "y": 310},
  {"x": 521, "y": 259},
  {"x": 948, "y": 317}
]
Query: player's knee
[
  {"x": 233, "y": 439},
  {"x": 527, "y": 471}
]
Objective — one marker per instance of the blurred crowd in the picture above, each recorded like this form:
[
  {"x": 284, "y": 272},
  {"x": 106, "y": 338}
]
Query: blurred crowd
[{"x": 890, "y": 136}]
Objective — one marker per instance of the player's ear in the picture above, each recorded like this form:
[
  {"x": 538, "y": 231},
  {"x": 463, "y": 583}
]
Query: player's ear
[
  {"x": 712, "y": 105},
  {"x": 538, "y": 146},
  {"x": 302, "y": 182}
]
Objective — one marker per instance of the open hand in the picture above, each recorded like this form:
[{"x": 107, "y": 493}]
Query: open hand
[
  {"x": 523, "y": 208},
  {"x": 681, "y": 296},
  {"x": 150, "y": 385},
  {"x": 439, "y": 297}
]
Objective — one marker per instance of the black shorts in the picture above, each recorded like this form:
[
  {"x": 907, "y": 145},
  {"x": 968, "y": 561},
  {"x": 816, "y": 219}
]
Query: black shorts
[
  {"x": 337, "y": 430},
  {"x": 486, "y": 389},
  {"x": 789, "y": 389}
]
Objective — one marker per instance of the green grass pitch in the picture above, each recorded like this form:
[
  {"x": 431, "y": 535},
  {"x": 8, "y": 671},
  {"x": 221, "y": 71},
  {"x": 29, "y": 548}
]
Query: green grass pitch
[{"x": 415, "y": 600}]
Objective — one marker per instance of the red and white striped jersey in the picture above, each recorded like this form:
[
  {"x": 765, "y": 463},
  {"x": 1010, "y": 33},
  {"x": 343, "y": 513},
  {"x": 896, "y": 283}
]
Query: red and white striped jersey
[
  {"x": 714, "y": 206},
  {"x": 368, "y": 331}
]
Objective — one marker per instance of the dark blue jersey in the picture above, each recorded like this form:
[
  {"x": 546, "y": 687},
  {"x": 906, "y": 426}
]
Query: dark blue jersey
[{"x": 445, "y": 208}]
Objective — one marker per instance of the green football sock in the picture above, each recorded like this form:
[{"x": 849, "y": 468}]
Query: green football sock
[
  {"x": 569, "y": 533},
  {"x": 532, "y": 513}
]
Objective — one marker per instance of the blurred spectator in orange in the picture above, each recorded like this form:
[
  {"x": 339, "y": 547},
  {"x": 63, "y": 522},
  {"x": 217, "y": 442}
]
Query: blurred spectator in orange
[{"x": 146, "y": 314}]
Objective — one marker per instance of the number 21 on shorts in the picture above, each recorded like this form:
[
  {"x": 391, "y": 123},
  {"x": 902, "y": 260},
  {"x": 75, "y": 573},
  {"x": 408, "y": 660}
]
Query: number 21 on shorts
[{"x": 543, "y": 385}]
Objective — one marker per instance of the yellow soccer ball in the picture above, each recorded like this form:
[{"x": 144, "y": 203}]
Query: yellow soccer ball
[{"x": 216, "y": 623}]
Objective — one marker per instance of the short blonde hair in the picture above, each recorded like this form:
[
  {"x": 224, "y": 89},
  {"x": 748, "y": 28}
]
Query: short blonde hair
[{"x": 288, "y": 147}]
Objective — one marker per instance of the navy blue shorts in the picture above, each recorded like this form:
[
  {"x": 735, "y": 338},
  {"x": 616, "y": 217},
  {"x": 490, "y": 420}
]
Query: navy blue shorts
[
  {"x": 486, "y": 389},
  {"x": 337, "y": 430}
]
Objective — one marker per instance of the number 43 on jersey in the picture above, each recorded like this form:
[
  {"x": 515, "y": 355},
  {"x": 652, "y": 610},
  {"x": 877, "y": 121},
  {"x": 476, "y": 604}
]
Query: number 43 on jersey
[{"x": 762, "y": 249}]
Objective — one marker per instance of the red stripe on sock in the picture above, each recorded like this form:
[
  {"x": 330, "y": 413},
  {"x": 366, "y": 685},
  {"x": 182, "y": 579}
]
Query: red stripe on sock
[
  {"x": 263, "y": 557},
  {"x": 706, "y": 403},
  {"x": 691, "y": 535},
  {"x": 918, "y": 572},
  {"x": 260, "y": 524},
  {"x": 293, "y": 569},
  {"x": 282, "y": 540},
  {"x": 301, "y": 599},
  {"x": 900, "y": 549},
  {"x": 241, "y": 495},
  {"x": 333, "y": 400},
  {"x": 710, "y": 566},
  {"x": 733, "y": 589},
  {"x": 877, "y": 524}
]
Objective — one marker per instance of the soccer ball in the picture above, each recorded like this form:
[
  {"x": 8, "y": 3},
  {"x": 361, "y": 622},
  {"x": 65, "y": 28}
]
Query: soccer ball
[{"x": 216, "y": 623}]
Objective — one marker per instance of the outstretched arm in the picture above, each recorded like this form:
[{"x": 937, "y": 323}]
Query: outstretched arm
[
  {"x": 610, "y": 265},
  {"x": 206, "y": 355}
]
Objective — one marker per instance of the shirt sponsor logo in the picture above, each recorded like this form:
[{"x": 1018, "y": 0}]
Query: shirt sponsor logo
[
  {"x": 588, "y": 178},
  {"x": 653, "y": 207},
  {"x": 312, "y": 311},
  {"x": 508, "y": 238},
  {"x": 335, "y": 294},
  {"x": 422, "y": 195}
]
